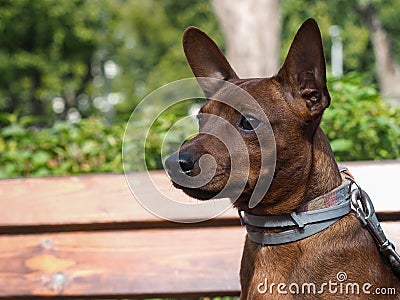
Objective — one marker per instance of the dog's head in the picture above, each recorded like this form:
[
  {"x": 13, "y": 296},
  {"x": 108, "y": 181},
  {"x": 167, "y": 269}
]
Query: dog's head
[{"x": 227, "y": 154}]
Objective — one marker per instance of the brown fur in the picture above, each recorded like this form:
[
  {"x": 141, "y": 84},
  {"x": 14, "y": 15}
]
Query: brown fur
[{"x": 294, "y": 101}]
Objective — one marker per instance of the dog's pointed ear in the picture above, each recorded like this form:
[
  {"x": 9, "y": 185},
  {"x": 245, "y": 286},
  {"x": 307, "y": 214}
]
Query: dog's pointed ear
[
  {"x": 206, "y": 59},
  {"x": 304, "y": 71}
]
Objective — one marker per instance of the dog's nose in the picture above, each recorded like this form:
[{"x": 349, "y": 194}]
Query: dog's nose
[
  {"x": 180, "y": 162},
  {"x": 186, "y": 162}
]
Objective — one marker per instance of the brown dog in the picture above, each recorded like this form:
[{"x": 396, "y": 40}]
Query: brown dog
[{"x": 293, "y": 101}]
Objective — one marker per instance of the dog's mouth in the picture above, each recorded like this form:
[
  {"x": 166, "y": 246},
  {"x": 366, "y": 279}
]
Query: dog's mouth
[
  {"x": 218, "y": 188},
  {"x": 198, "y": 193},
  {"x": 211, "y": 190}
]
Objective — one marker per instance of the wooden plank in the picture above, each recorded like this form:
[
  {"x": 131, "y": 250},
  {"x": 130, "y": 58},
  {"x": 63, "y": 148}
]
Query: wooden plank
[
  {"x": 100, "y": 201},
  {"x": 136, "y": 263},
  {"x": 104, "y": 201},
  {"x": 139, "y": 262},
  {"x": 392, "y": 232},
  {"x": 380, "y": 179}
]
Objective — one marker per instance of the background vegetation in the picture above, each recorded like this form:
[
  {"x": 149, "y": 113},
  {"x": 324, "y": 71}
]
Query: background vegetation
[{"x": 73, "y": 71}]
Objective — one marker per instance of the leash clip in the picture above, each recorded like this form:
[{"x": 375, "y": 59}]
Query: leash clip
[
  {"x": 362, "y": 205},
  {"x": 365, "y": 211},
  {"x": 366, "y": 214}
]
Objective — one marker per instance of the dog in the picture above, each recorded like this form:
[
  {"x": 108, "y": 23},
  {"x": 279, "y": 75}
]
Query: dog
[{"x": 293, "y": 102}]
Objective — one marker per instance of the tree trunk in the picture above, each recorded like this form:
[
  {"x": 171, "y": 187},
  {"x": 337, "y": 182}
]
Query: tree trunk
[
  {"x": 37, "y": 106},
  {"x": 252, "y": 34},
  {"x": 388, "y": 70}
]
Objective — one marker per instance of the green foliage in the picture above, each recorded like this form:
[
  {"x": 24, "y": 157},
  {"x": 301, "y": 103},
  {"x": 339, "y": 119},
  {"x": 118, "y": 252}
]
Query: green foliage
[
  {"x": 340, "y": 12},
  {"x": 359, "y": 123},
  {"x": 389, "y": 14},
  {"x": 58, "y": 50},
  {"x": 64, "y": 148},
  {"x": 151, "y": 54},
  {"x": 89, "y": 146},
  {"x": 164, "y": 136},
  {"x": 51, "y": 49},
  {"x": 357, "y": 47}
]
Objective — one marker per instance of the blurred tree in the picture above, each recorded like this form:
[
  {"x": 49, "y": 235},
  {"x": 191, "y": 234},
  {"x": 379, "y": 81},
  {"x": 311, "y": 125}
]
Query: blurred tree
[
  {"x": 358, "y": 53},
  {"x": 54, "y": 54},
  {"x": 49, "y": 50},
  {"x": 365, "y": 30},
  {"x": 152, "y": 54},
  {"x": 252, "y": 33},
  {"x": 387, "y": 68}
]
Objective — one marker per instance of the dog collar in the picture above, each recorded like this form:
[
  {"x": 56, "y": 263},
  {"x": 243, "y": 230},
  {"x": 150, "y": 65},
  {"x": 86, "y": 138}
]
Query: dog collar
[
  {"x": 313, "y": 217},
  {"x": 320, "y": 213}
]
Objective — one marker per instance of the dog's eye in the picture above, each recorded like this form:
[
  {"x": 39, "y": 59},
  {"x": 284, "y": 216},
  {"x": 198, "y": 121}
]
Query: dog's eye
[{"x": 249, "y": 123}]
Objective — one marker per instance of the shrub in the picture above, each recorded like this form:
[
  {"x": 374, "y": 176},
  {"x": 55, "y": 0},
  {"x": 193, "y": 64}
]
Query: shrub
[
  {"x": 65, "y": 148},
  {"x": 359, "y": 123},
  {"x": 159, "y": 140}
]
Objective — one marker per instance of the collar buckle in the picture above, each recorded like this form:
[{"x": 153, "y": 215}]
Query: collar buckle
[{"x": 296, "y": 219}]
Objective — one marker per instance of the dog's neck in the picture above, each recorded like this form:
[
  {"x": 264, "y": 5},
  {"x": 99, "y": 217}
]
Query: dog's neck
[
  {"x": 319, "y": 175},
  {"x": 324, "y": 175}
]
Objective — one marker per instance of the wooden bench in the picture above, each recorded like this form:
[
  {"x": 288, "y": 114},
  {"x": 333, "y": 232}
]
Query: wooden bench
[{"x": 87, "y": 237}]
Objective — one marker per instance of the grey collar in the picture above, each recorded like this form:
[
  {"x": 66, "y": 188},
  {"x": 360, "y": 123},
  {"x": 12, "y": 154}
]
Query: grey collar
[
  {"x": 320, "y": 213},
  {"x": 313, "y": 217}
]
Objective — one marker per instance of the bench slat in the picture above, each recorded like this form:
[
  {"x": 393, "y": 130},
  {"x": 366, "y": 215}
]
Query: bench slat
[
  {"x": 140, "y": 262},
  {"x": 127, "y": 260},
  {"x": 380, "y": 179},
  {"x": 101, "y": 201},
  {"x": 104, "y": 201}
]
